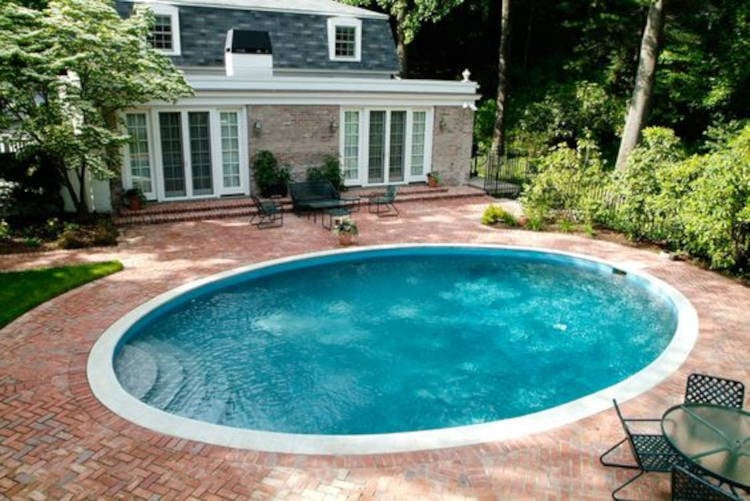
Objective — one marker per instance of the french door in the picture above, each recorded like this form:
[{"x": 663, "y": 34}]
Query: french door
[
  {"x": 182, "y": 154},
  {"x": 384, "y": 146}
]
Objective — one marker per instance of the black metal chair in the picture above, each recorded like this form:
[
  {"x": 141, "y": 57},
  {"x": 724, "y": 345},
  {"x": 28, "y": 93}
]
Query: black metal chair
[
  {"x": 706, "y": 389},
  {"x": 269, "y": 213},
  {"x": 652, "y": 452},
  {"x": 687, "y": 486},
  {"x": 385, "y": 201}
]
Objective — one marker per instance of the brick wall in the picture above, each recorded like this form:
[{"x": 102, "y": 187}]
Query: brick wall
[
  {"x": 451, "y": 143},
  {"x": 298, "y": 136},
  {"x": 301, "y": 136}
]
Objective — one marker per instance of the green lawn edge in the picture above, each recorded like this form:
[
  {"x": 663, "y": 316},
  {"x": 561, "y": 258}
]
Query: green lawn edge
[{"x": 20, "y": 291}]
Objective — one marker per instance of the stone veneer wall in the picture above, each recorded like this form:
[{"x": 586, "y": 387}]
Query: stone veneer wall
[
  {"x": 451, "y": 144},
  {"x": 299, "y": 136}
]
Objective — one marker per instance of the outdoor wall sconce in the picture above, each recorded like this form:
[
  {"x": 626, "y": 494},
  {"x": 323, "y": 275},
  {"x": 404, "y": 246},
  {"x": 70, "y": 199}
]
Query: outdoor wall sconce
[
  {"x": 442, "y": 124},
  {"x": 333, "y": 126},
  {"x": 257, "y": 125}
]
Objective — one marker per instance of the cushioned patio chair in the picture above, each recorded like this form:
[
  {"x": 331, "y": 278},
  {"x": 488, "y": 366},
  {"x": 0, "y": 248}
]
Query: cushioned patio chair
[
  {"x": 706, "y": 389},
  {"x": 687, "y": 486},
  {"x": 651, "y": 452},
  {"x": 384, "y": 201},
  {"x": 269, "y": 213}
]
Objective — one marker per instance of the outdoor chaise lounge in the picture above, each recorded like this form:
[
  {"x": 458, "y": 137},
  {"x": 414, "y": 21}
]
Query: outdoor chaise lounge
[{"x": 269, "y": 213}]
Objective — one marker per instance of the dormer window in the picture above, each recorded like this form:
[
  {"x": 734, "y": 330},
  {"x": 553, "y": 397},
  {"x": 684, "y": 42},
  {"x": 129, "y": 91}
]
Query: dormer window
[
  {"x": 165, "y": 36},
  {"x": 344, "y": 39}
]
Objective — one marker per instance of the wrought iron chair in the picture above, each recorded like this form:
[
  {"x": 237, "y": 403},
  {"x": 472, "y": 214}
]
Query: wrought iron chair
[
  {"x": 269, "y": 213},
  {"x": 687, "y": 486},
  {"x": 386, "y": 201},
  {"x": 652, "y": 452},
  {"x": 705, "y": 389}
]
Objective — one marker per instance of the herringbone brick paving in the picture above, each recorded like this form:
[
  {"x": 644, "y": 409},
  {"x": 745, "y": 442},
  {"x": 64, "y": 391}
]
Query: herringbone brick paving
[{"x": 58, "y": 442}]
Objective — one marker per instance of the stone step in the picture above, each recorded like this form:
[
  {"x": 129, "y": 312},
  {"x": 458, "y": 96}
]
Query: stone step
[{"x": 172, "y": 212}]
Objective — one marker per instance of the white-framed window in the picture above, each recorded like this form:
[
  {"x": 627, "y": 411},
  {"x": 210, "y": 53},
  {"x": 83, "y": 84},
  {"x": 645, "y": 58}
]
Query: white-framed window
[
  {"x": 381, "y": 145},
  {"x": 138, "y": 155},
  {"x": 165, "y": 36},
  {"x": 344, "y": 39},
  {"x": 178, "y": 153}
]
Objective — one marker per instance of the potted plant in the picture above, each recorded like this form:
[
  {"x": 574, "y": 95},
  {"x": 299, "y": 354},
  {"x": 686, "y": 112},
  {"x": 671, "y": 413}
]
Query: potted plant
[
  {"x": 433, "y": 179},
  {"x": 271, "y": 178},
  {"x": 347, "y": 230},
  {"x": 134, "y": 198}
]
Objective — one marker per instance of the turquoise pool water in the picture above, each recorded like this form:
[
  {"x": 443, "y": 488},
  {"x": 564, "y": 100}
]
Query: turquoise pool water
[{"x": 392, "y": 340}]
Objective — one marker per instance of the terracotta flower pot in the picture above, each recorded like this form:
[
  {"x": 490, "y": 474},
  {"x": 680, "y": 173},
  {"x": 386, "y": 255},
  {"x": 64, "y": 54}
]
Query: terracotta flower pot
[{"x": 346, "y": 238}]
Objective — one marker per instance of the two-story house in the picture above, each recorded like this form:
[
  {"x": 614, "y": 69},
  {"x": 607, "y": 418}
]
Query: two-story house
[{"x": 301, "y": 78}]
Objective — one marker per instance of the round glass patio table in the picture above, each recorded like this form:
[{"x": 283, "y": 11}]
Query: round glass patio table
[{"x": 715, "y": 438}]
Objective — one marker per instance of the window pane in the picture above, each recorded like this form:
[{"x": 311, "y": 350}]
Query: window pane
[
  {"x": 230, "y": 149},
  {"x": 418, "y": 143},
  {"x": 398, "y": 142},
  {"x": 161, "y": 36},
  {"x": 170, "y": 127},
  {"x": 200, "y": 152},
  {"x": 351, "y": 145},
  {"x": 376, "y": 154},
  {"x": 346, "y": 41},
  {"x": 140, "y": 163}
]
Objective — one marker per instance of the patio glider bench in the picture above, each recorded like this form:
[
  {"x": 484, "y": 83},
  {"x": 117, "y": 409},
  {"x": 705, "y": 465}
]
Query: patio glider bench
[{"x": 312, "y": 197}]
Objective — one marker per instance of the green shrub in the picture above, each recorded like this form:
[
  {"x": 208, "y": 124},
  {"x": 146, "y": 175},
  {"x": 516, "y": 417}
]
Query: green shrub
[
  {"x": 32, "y": 242},
  {"x": 568, "y": 180},
  {"x": 494, "y": 214},
  {"x": 715, "y": 208},
  {"x": 105, "y": 233},
  {"x": 565, "y": 225},
  {"x": 4, "y": 230},
  {"x": 52, "y": 228},
  {"x": 75, "y": 236},
  {"x": 329, "y": 171},
  {"x": 269, "y": 176}
]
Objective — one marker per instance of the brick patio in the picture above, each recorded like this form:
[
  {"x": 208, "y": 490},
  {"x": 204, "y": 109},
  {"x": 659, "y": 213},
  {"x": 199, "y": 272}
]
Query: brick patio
[{"x": 58, "y": 442}]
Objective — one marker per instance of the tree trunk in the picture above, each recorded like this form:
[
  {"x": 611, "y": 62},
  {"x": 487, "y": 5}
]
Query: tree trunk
[
  {"x": 498, "y": 135},
  {"x": 401, "y": 43},
  {"x": 644, "y": 82}
]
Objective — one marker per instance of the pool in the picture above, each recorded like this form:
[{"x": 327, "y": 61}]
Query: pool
[{"x": 391, "y": 348}]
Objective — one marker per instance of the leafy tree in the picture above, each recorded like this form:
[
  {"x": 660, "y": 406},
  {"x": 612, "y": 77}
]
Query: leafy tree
[
  {"x": 66, "y": 72},
  {"x": 409, "y": 15}
]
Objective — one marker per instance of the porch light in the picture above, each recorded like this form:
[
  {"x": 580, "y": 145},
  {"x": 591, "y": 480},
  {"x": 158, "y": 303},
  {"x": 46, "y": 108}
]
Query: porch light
[{"x": 333, "y": 126}]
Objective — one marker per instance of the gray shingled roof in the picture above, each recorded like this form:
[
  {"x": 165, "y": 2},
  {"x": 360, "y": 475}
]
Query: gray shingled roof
[{"x": 300, "y": 41}]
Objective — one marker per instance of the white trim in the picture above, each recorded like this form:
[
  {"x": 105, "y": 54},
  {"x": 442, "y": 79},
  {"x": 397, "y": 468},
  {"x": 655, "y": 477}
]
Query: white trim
[
  {"x": 345, "y": 22},
  {"x": 162, "y": 9},
  {"x": 314, "y": 7},
  {"x": 332, "y": 84},
  {"x": 107, "y": 389},
  {"x": 155, "y": 153},
  {"x": 127, "y": 174},
  {"x": 364, "y": 138}
]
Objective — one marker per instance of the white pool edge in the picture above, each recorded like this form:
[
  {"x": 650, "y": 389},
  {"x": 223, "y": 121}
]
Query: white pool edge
[{"x": 107, "y": 389}]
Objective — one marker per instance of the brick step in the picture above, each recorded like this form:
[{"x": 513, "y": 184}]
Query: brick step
[{"x": 172, "y": 212}]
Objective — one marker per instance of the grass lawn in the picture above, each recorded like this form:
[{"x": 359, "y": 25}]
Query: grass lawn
[{"x": 21, "y": 291}]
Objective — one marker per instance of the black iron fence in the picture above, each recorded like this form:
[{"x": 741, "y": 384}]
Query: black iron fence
[{"x": 503, "y": 176}]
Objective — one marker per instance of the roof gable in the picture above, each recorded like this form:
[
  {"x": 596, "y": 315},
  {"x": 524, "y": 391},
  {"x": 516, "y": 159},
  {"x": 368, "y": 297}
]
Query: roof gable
[
  {"x": 299, "y": 40},
  {"x": 319, "y": 7}
]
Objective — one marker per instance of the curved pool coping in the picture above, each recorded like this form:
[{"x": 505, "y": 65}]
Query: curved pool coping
[{"x": 107, "y": 389}]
